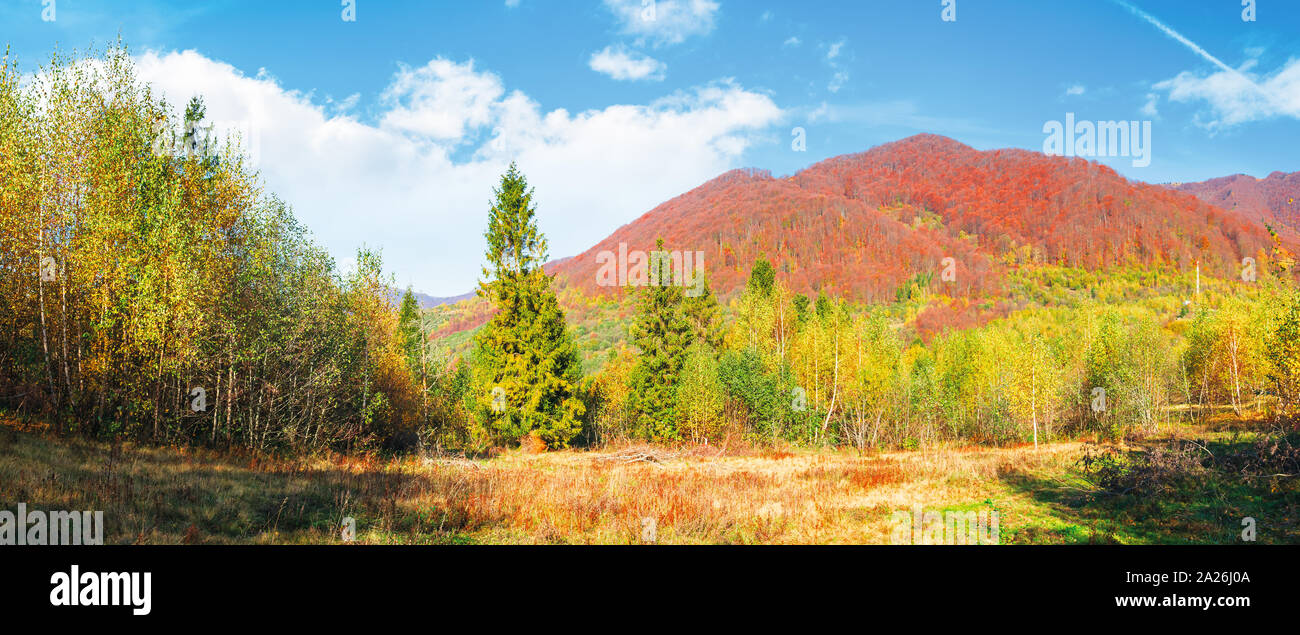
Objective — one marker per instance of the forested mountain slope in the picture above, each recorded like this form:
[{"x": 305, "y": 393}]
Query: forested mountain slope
[
  {"x": 1274, "y": 200},
  {"x": 864, "y": 225}
]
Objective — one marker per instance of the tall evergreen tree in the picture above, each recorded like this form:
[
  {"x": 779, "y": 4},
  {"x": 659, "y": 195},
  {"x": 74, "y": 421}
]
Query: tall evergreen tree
[
  {"x": 762, "y": 278},
  {"x": 527, "y": 371},
  {"x": 801, "y": 304},
  {"x": 408, "y": 328},
  {"x": 664, "y": 333},
  {"x": 702, "y": 313}
]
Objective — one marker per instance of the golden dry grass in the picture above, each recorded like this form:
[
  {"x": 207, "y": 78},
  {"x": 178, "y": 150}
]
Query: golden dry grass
[
  {"x": 153, "y": 495},
  {"x": 694, "y": 496}
]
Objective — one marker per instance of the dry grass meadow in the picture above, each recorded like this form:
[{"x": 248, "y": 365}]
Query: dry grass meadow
[{"x": 695, "y": 495}]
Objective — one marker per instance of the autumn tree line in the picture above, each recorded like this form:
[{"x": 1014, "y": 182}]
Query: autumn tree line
[
  {"x": 778, "y": 366},
  {"x": 152, "y": 290},
  {"x": 825, "y": 372}
]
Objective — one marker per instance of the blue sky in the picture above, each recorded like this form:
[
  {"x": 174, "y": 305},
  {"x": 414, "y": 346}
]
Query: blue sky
[{"x": 390, "y": 129}]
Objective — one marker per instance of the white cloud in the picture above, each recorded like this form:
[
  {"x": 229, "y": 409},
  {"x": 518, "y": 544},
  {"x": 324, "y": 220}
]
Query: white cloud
[
  {"x": 347, "y": 103},
  {"x": 441, "y": 99},
  {"x": 839, "y": 76},
  {"x": 1151, "y": 107},
  {"x": 792, "y": 41},
  {"x": 621, "y": 64},
  {"x": 834, "y": 50},
  {"x": 1075, "y": 90},
  {"x": 1235, "y": 98},
  {"x": 418, "y": 181},
  {"x": 837, "y": 81},
  {"x": 663, "y": 22}
]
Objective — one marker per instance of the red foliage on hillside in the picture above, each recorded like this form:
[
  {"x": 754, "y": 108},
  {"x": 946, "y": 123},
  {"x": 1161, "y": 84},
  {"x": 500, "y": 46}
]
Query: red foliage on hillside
[
  {"x": 863, "y": 225},
  {"x": 465, "y": 315},
  {"x": 938, "y": 317},
  {"x": 1274, "y": 200}
]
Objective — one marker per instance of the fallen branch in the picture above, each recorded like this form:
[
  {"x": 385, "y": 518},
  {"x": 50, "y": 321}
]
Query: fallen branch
[
  {"x": 453, "y": 462},
  {"x": 638, "y": 455}
]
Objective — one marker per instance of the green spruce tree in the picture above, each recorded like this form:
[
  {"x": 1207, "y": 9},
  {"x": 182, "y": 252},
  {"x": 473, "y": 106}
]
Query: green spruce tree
[
  {"x": 408, "y": 328},
  {"x": 762, "y": 278},
  {"x": 527, "y": 369},
  {"x": 701, "y": 310},
  {"x": 664, "y": 333}
]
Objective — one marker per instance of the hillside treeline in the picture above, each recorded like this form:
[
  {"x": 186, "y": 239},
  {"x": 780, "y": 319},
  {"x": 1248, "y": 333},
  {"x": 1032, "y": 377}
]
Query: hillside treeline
[
  {"x": 824, "y": 372},
  {"x": 1078, "y": 351},
  {"x": 151, "y": 289},
  {"x": 1082, "y": 352}
]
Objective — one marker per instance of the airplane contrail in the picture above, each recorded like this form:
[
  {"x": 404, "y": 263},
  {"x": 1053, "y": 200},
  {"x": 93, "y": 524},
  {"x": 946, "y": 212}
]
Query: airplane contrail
[
  {"x": 1176, "y": 35},
  {"x": 1167, "y": 30}
]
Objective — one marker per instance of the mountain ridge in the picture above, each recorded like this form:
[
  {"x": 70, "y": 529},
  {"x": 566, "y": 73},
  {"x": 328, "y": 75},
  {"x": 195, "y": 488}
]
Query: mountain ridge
[
  {"x": 1273, "y": 200},
  {"x": 865, "y": 225}
]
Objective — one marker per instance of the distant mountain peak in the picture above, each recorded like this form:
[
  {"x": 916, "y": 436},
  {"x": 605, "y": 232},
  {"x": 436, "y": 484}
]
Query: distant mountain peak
[
  {"x": 867, "y": 225},
  {"x": 424, "y": 300},
  {"x": 1270, "y": 200}
]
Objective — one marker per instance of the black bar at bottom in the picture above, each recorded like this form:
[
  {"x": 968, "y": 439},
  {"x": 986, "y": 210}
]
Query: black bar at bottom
[{"x": 323, "y": 584}]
